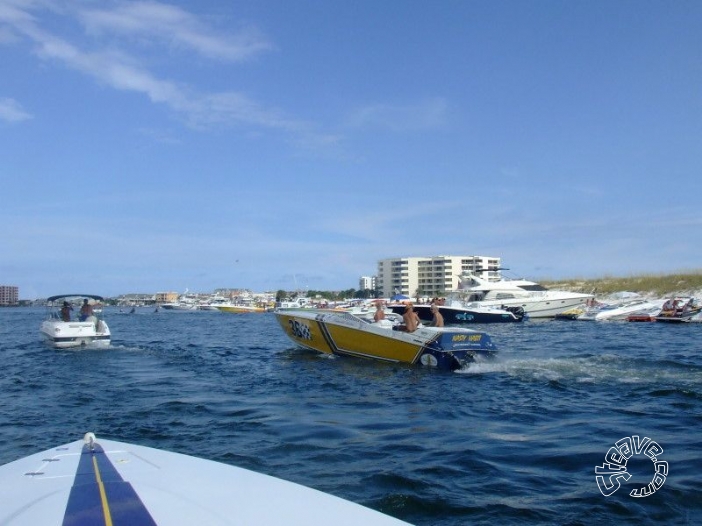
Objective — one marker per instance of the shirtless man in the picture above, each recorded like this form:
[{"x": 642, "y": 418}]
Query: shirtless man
[
  {"x": 86, "y": 310},
  {"x": 410, "y": 318},
  {"x": 379, "y": 312},
  {"x": 438, "y": 318}
]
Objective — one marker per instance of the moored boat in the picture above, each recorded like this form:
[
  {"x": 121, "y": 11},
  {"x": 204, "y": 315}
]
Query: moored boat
[
  {"x": 620, "y": 311},
  {"x": 350, "y": 335},
  {"x": 240, "y": 309},
  {"x": 93, "y": 482},
  {"x": 679, "y": 310},
  {"x": 536, "y": 300},
  {"x": 62, "y": 329},
  {"x": 458, "y": 313},
  {"x": 179, "y": 306}
]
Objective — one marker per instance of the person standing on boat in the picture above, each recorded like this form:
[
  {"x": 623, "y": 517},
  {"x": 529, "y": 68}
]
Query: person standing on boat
[
  {"x": 86, "y": 310},
  {"x": 379, "y": 312},
  {"x": 66, "y": 311},
  {"x": 410, "y": 318},
  {"x": 438, "y": 320}
]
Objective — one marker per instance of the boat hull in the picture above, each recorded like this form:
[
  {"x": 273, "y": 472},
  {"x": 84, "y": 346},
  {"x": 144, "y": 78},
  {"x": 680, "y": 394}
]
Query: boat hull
[
  {"x": 461, "y": 316},
  {"x": 239, "y": 309},
  {"x": 679, "y": 310},
  {"x": 94, "y": 481},
  {"x": 539, "y": 308},
  {"x": 65, "y": 335},
  {"x": 675, "y": 318},
  {"x": 346, "y": 334}
]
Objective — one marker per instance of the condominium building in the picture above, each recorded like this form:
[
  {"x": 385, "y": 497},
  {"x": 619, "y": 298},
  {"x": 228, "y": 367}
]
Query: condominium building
[
  {"x": 366, "y": 283},
  {"x": 430, "y": 276},
  {"x": 9, "y": 295}
]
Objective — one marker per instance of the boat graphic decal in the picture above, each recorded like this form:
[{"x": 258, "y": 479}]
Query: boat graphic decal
[
  {"x": 327, "y": 337},
  {"x": 99, "y": 495},
  {"x": 300, "y": 330}
]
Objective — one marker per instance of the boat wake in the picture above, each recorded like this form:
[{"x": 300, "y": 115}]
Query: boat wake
[{"x": 600, "y": 369}]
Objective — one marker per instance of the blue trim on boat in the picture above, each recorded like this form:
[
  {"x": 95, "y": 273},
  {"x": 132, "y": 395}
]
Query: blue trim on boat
[{"x": 99, "y": 495}]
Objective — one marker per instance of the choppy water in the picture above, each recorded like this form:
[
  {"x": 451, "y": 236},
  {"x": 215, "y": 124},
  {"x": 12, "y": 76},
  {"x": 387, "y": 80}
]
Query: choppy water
[{"x": 512, "y": 441}]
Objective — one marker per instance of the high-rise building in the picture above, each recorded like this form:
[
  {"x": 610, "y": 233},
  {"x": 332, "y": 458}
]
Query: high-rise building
[
  {"x": 366, "y": 283},
  {"x": 9, "y": 295},
  {"x": 430, "y": 276}
]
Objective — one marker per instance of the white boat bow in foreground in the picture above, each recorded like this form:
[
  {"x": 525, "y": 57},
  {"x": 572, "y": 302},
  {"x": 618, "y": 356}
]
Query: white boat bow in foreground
[{"x": 104, "y": 482}]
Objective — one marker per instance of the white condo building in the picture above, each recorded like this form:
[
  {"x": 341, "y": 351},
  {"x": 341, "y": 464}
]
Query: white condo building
[
  {"x": 366, "y": 283},
  {"x": 430, "y": 276}
]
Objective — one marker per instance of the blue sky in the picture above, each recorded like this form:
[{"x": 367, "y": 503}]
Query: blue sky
[{"x": 158, "y": 146}]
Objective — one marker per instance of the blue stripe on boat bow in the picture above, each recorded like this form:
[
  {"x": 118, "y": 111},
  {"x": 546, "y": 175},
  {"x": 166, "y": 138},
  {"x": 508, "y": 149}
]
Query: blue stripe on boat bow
[{"x": 99, "y": 495}]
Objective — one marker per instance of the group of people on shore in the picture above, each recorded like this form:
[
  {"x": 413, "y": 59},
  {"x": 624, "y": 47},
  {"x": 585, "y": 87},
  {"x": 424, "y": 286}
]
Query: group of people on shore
[{"x": 410, "y": 318}]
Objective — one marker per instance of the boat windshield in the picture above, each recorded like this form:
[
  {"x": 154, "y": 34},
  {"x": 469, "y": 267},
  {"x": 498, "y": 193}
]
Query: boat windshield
[{"x": 534, "y": 287}]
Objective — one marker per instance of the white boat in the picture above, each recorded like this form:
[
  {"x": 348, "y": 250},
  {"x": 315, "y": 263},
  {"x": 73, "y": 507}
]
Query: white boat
[
  {"x": 343, "y": 333},
  {"x": 679, "y": 310},
  {"x": 301, "y": 302},
  {"x": 461, "y": 313},
  {"x": 179, "y": 305},
  {"x": 240, "y": 308},
  {"x": 621, "y": 311},
  {"x": 64, "y": 329},
  {"x": 536, "y": 300},
  {"x": 105, "y": 482}
]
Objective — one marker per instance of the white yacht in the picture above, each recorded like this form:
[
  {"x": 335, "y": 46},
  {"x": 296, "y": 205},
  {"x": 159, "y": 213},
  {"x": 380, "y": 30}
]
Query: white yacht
[
  {"x": 536, "y": 300},
  {"x": 622, "y": 310}
]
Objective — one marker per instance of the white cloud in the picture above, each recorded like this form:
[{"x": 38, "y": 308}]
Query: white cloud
[
  {"x": 112, "y": 64},
  {"x": 174, "y": 26},
  {"x": 412, "y": 117},
  {"x": 11, "y": 111}
]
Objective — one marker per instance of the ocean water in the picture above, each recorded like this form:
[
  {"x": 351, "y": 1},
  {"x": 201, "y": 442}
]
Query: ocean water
[{"x": 514, "y": 440}]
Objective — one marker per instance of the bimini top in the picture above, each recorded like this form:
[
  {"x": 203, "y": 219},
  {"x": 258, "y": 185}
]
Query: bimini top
[{"x": 61, "y": 296}]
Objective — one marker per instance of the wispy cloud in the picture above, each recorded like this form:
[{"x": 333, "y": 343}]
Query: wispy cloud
[
  {"x": 11, "y": 111},
  {"x": 174, "y": 26},
  {"x": 119, "y": 66},
  {"x": 424, "y": 115}
]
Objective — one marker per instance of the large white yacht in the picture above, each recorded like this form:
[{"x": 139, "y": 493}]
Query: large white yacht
[{"x": 536, "y": 300}]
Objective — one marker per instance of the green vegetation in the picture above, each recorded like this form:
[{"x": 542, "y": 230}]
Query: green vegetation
[
  {"x": 660, "y": 285},
  {"x": 338, "y": 295}
]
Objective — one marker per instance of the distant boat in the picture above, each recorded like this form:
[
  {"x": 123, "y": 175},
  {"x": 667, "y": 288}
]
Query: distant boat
[
  {"x": 180, "y": 305},
  {"x": 536, "y": 300},
  {"x": 459, "y": 313},
  {"x": 679, "y": 310},
  {"x": 98, "y": 481},
  {"x": 621, "y": 311},
  {"x": 301, "y": 302},
  {"x": 240, "y": 309}
]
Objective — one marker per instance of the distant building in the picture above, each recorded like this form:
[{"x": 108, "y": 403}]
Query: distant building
[
  {"x": 9, "y": 295},
  {"x": 366, "y": 283},
  {"x": 430, "y": 276},
  {"x": 166, "y": 297}
]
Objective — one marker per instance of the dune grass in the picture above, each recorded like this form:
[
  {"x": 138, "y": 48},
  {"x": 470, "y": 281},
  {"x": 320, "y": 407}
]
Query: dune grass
[{"x": 660, "y": 285}]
